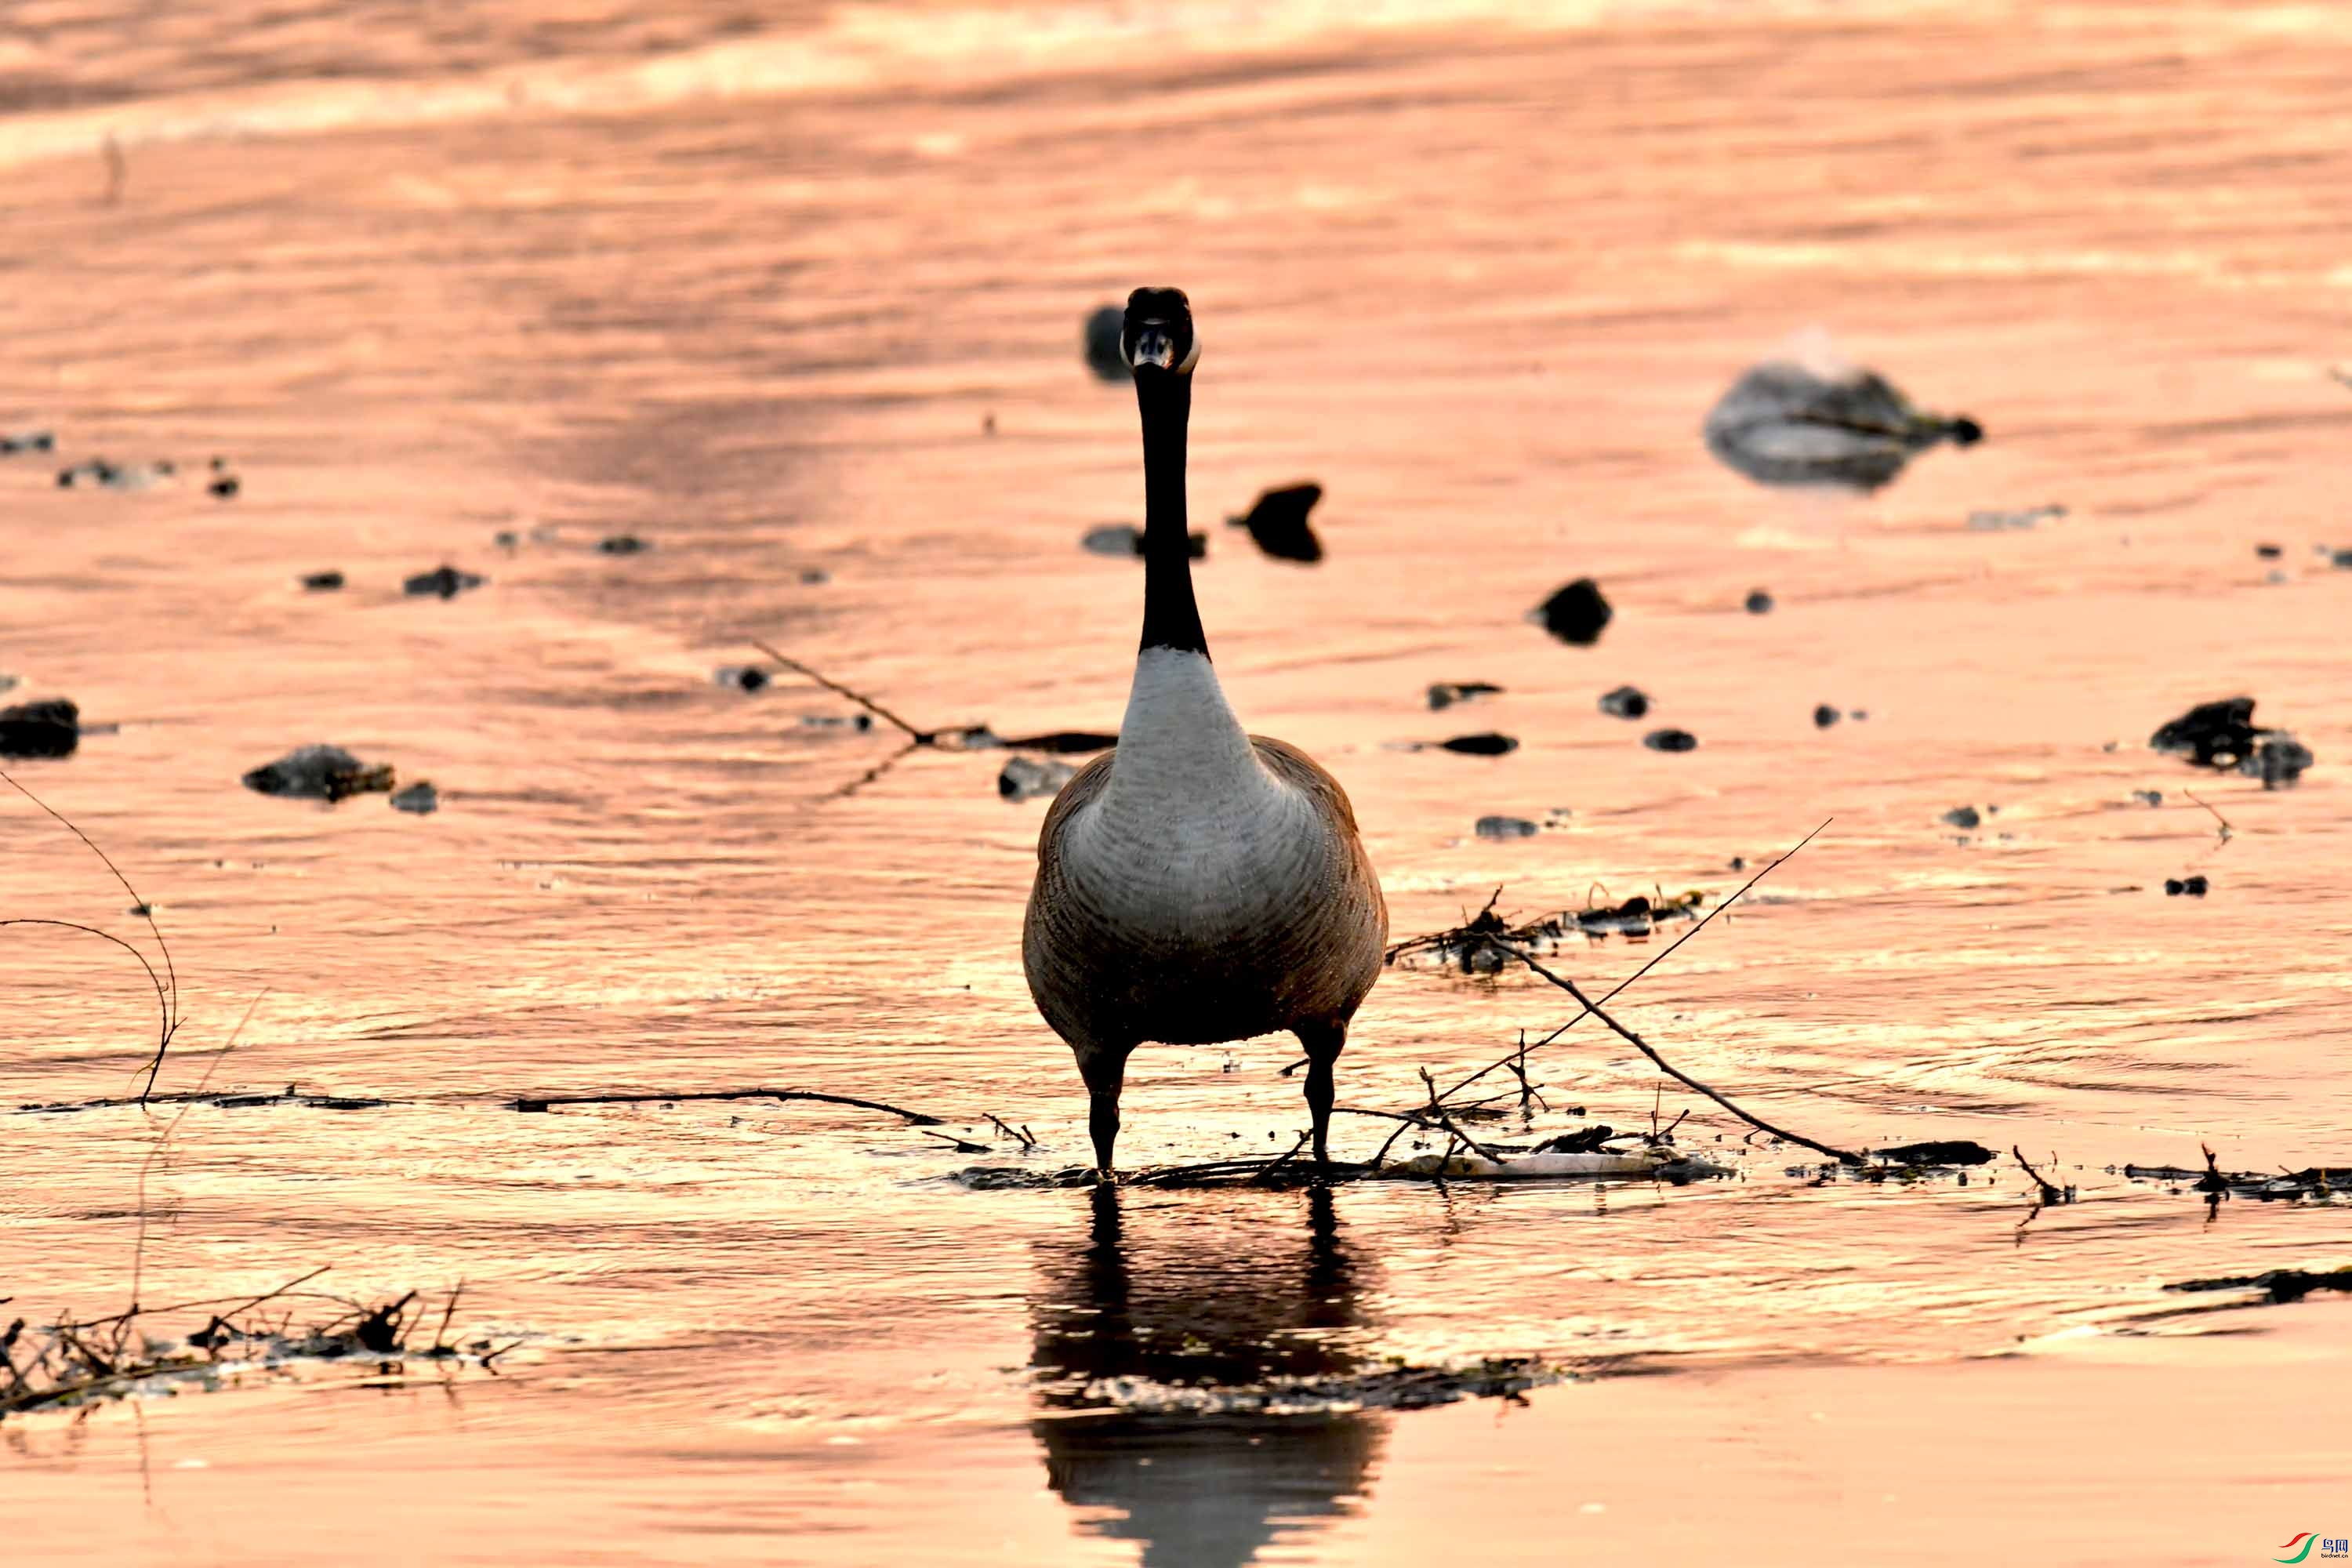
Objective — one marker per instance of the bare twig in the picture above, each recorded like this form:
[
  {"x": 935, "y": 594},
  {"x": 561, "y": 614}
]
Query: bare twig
[
  {"x": 2226, "y": 829},
  {"x": 548, "y": 1102},
  {"x": 1285, "y": 1159},
  {"x": 1021, "y": 1135},
  {"x": 920, "y": 737},
  {"x": 961, "y": 1145},
  {"x": 2051, "y": 1196}
]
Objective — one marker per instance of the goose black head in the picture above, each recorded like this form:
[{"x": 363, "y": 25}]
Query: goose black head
[{"x": 1157, "y": 332}]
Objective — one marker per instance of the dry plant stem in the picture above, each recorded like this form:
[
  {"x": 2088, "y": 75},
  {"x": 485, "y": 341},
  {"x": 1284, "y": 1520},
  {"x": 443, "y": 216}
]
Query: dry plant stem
[
  {"x": 1429, "y": 1120},
  {"x": 2226, "y": 829},
  {"x": 1021, "y": 1135},
  {"x": 2050, "y": 1194},
  {"x": 1844, "y": 1156},
  {"x": 138, "y": 1247},
  {"x": 167, "y": 997},
  {"x": 920, "y": 737},
  {"x": 548, "y": 1102},
  {"x": 1611, "y": 996}
]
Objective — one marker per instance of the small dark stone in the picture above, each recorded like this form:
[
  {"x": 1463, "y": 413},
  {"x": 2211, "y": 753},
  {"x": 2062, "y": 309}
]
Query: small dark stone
[
  {"x": 2194, "y": 886},
  {"x": 1278, "y": 523},
  {"x": 28, "y": 441},
  {"x": 1507, "y": 828},
  {"x": 506, "y": 538},
  {"x": 813, "y": 575},
  {"x": 623, "y": 544},
  {"x": 446, "y": 583},
  {"x": 2212, "y": 734},
  {"x": 1026, "y": 779},
  {"x": 317, "y": 772},
  {"x": 2278, "y": 759},
  {"x": 1964, "y": 817},
  {"x": 1446, "y": 693},
  {"x": 2269, "y": 551},
  {"x": 51, "y": 728},
  {"x": 1575, "y": 614},
  {"x": 1759, "y": 603},
  {"x": 224, "y": 486},
  {"x": 1740, "y": 862},
  {"x": 1670, "y": 741},
  {"x": 742, "y": 677},
  {"x": 323, "y": 581},
  {"x": 1824, "y": 716},
  {"x": 1487, "y": 745},
  {"x": 2341, "y": 560},
  {"x": 2148, "y": 796},
  {"x": 420, "y": 797},
  {"x": 1625, "y": 702},
  {"x": 1105, "y": 355},
  {"x": 1124, "y": 539}
]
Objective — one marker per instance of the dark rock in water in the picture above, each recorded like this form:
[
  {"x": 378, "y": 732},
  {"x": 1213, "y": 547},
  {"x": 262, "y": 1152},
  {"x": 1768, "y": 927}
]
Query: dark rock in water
[
  {"x": 1024, "y": 779},
  {"x": 1278, "y": 522},
  {"x": 420, "y": 797},
  {"x": 1951, "y": 1151},
  {"x": 1577, "y": 613},
  {"x": 1824, "y": 716},
  {"x": 2269, "y": 551},
  {"x": 741, "y": 676},
  {"x": 2341, "y": 560},
  {"x": 27, "y": 441},
  {"x": 1759, "y": 603},
  {"x": 507, "y": 538},
  {"x": 10, "y": 682},
  {"x": 1507, "y": 828},
  {"x": 444, "y": 582},
  {"x": 1670, "y": 741},
  {"x": 861, "y": 722},
  {"x": 317, "y": 772},
  {"x": 1127, "y": 539},
  {"x": 2278, "y": 760},
  {"x": 1061, "y": 743},
  {"x": 1487, "y": 745},
  {"x": 2195, "y": 886},
  {"x": 225, "y": 485},
  {"x": 1105, "y": 354},
  {"x": 1625, "y": 702},
  {"x": 323, "y": 581},
  {"x": 1782, "y": 423},
  {"x": 116, "y": 476},
  {"x": 2223, "y": 735},
  {"x": 813, "y": 575},
  {"x": 622, "y": 545},
  {"x": 1740, "y": 862},
  {"x": 2148, "y": 796},
  {"x": 47, "y": 729},
  {"x": 1965, "y": 817},
  {"x": 1446, "y": 693}
]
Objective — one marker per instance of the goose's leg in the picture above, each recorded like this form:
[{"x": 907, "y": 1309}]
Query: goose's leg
[
  {"x": 1324, "y": 1042},
  {"x": 1105, "y": 1069}
]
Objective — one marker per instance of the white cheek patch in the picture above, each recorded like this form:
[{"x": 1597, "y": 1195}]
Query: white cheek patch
[{"x": 1192, "y": 355}]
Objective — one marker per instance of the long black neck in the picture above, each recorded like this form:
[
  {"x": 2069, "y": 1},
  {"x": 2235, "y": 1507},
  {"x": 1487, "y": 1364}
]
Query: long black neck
[{"x": 1170, "y": 618}]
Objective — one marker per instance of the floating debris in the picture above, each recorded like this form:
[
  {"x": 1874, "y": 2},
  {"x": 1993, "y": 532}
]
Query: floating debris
[
  {"x": 1024, "y": 779},
  {"x": 2223, "y": 735},
  {"x": 1278, "y": 523},
  {"x": 1124, "y": 539},
  {"x": 622, "y": 545},
  {"x": 1625, "y": 702},
  {"x": 811, "y": 576},
  {"x": 1965, "y": 817},
  {"x": 225, "y": 485},
  {"x": 50, "y": 728},
  {"x": 1478, "y": 945},
  {"x": 2341, "y": 560},
  {"x": 2008, "y": 522},
  {"x": 17, "y": 441},
  {"x": 2312, "y": 1182},
  {"x": 1759, "y": 601},
  {"x": 116, "y": 476},
  {"x": 1105, "y": 355},
  {"x": 10, "y": 682},
  {"x": 1824, "y": 716},
  {"x": 2278, "y": 1286},
  {"x": 323, "y": 581},
  {"x": 446, "y": 583},
  {"x": 420, "y": 798},
  {"x": 1486, "y": 745},
  {"x": 1446, "y": 693},
  {"x": 317, "y": 772},
  {"x": 861, "y": 722},
  {"x": 2174, "y": 887},
  {"x": 1670, "y": 741},
  {"x": 1577, "y": 613},
  {"x": 2148, "y": 796},
  {"x": 1952, "y": 1151},
  {"x": 1655, "y": 1163},
  {"x": 2269, "y": 551},
  {"x": 742, "y": 676},
  {"x": 1783, "y": 423},
  {"x": 1504, "y": 827}
]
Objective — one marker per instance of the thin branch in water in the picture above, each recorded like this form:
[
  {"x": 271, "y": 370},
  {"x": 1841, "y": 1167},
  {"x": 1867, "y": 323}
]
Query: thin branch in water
[
  {"x": 2226, "y": 829},
  {"x": 920, "y": 737},
  {"x": 961, "y": 1145},
  {"x": 1285, "y": 1160},
  {"x": 548, "y": 1101},
  {"x": 167, "y": 995},
  {"x": 1021, "y": 1135},
  {"x": 2051, "y": 1196}
]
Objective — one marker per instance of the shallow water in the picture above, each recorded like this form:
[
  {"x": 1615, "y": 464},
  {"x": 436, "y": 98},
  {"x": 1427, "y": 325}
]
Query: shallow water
[{"x": 758, "y": 293}]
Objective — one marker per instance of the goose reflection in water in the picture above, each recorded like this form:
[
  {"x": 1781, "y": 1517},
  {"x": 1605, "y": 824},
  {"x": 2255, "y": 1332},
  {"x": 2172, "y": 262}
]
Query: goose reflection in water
[{"x": 1156, "y": 1354}]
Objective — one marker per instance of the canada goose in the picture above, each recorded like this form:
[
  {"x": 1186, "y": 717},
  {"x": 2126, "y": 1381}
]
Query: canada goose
[{"x": 1196, "y": 884}]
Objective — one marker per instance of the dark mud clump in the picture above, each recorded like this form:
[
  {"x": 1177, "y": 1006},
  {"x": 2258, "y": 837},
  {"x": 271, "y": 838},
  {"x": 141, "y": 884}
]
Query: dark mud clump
[
  {"x": 1625, "y": 702},
  {"x": 1824, "y": 716},
  {"x": 51, "y": 728},
  {"x": 444, "y": 582},
  {"x": 2223, "y": 735},
  {"x": 1995, "y": 521},
  {"x": 17, "y": 441},
  {"x": 1482, "y": 944},
  {"x": 1670, "y": 741},
  {"x": 1446, "y": 693},
  {"x": 1106, "y": 356},
  {"x": 622, "y": 545},
  {"x": 1278, "y": 523},
  {"x": 116, "y": 476},
  {"x": 2194, "y": 886},
  {"x": 1505, "y": 827},
  {"x": 317, "y": 772},
  {"x": 1124, "y": 539},
  {"x": 1951, "y": 1152},
  {"x": 2278, "y": 1286},
  {"x": 1486, "y": 745},
  {"x": 1023, "y": 778},
  {"x": 1965, "y": 817},
  {"x": 224, "y": 485},
  {"x": 1575, "y": 614},
  {"x": 1782, "y": 423},
  {"x": 323, "y": 581},
  {"x": 421, "y": 798},
  {"x": 1759, "y": 601}
]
